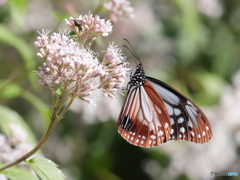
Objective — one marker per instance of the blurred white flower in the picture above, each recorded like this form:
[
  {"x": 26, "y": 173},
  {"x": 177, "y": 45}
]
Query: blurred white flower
[
  {"x": 105, "y": 109},
  {"x": 3, "y": 2},
  {"x": 119, "y": 8},
  {"x": 13, "y": 147},
  {"x": 3, "y": 177},
  {"x": 18, "y": 135},
  {"x": 211, "y": 8}
]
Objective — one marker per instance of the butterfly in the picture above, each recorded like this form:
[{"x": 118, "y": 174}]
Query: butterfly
[{"x": 154, "y": 113}]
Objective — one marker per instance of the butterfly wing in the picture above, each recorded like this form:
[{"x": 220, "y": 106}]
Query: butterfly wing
[
  {"x": 144, "y": 119},
  {"x": 188, "y": 122}
]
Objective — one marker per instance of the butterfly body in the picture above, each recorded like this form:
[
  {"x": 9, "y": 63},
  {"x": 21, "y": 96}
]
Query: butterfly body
[{"x": 154, "y": 113}]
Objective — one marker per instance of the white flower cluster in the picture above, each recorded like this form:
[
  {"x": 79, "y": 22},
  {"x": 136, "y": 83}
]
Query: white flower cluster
[
  {"x": 89, "y": 27},
  {"x": 119, "y": 8},
  {"x": 75, "y": 69},
  {"x": 114, "y": 74}
]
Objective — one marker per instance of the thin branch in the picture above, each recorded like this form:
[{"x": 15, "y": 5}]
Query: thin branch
[{"x": 54, "y": 120}]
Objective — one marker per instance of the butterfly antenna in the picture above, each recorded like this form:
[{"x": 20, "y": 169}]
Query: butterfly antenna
[{"x": 131, "y": 50}]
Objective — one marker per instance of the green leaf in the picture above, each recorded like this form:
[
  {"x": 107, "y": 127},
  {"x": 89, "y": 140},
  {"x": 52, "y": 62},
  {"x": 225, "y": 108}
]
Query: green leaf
[
  {"x": 212, "y": 85},
  {"x": 45, "y": 169},
  {"x": 7, "y": 116},
  {"x": 16, "y": 173},
  {"x": 10, "y": 90},
  {"x": 25, "y": 50},
  {"x": 192, "y": 36},
  {"x": 59, "y": 91},
  {"x": 60, "y": 16},
  {"x": 37, "y": 102},
  {"x": 18, "y": 9}
]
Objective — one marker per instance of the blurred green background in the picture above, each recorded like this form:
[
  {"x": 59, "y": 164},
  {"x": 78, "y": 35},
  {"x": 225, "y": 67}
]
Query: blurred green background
[{"x": 193, "y": 45}]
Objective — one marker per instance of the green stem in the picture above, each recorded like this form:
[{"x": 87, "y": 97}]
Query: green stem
[
  {"x": 54, "y": 120},
  {"x": 39, "y": 145},
  {"x": 67, "y": 107},
  {"x": 98, "y": 8}
]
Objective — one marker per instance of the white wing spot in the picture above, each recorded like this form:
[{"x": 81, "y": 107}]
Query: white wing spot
[
  {"x": 134, "y": 134},
  {"x": 189, "y": 123},
  {"x": 176, "y": 111},
  {"x": 142, "y": 141},
  {"x": 188, "y": 102},
  {"x": 207, "y": 128},
  {"x": 139, "y": 136},
  {"x": 199, "y": 136},
  {"x": 169, "y": 109},
  {"x": 166, "y": 125},
  {"x": 203, "y": 133},
  {"x": 131, "y": 139},
  {"x": 128, "y": 136},
  {"x": 130, "y": 132},
  {"x": 172, "y": 121},
  {"x": 180, "y": 136},
  {"x": 160, "y": 133},
  {"x": 125, "y": 134},
  {"x": 180, "y": 120},
  {"x": 172, "y": 130},
  {"x": 153, "y": 137},
  {"x": 143, "y": 137},
  {"x": 192, "y": 133},
  {"x": 182, "y": 129},
  {"x": 150, "y": 141},
  {"x": 137, "y": 141}
]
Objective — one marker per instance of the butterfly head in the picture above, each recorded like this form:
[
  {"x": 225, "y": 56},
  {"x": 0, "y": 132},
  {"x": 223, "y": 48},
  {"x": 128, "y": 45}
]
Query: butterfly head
[{"x": 138, "y": 77}]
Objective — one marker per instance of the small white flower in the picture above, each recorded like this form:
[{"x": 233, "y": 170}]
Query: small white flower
[
  {"x": 115, "y": 67},
  {"x": 3, "y": 177},
  {"x": 18, "y": 134},
  {"x": 119, "y": 8},
  {"x": 89, "y": 27},
  {"x": 15, "y": 146}
]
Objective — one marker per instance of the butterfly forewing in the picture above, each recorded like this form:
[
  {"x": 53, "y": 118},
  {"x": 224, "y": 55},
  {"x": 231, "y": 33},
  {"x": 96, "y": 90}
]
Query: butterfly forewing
[
  {"x": 144, "y": 121},
  {"x": 154, "y": 112},
  {"x": 187, "y": 120}
]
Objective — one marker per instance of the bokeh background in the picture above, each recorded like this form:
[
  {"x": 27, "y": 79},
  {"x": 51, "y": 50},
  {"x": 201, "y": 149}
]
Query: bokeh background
[{"x": 193, "y": 45}]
